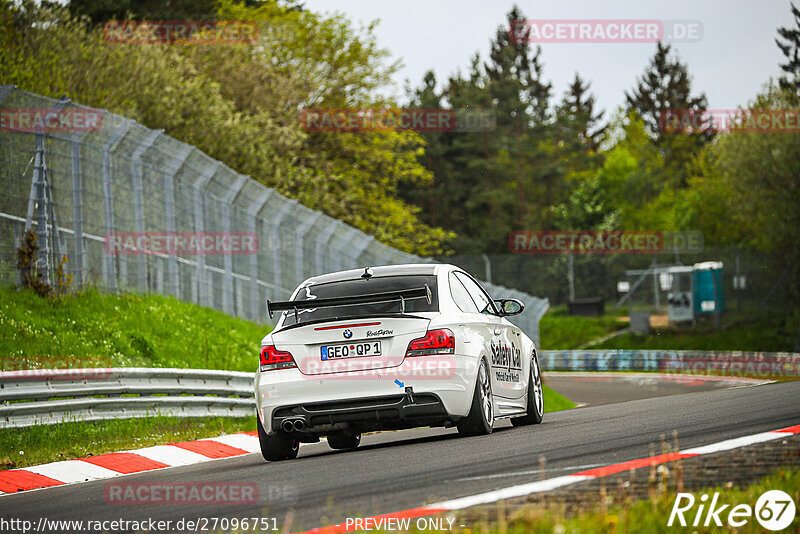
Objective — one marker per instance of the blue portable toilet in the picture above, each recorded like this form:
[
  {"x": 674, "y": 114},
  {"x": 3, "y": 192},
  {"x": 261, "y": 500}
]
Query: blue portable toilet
[{"x": 708, "y": 291}]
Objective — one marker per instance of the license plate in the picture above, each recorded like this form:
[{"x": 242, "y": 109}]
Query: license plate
[{"x": 350, "y": 350}]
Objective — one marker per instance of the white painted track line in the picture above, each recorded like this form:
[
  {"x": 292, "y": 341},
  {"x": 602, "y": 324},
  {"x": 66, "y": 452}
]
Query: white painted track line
[
  {"x": 70, "y": 471},
  {"x": 171, "y": 455}
]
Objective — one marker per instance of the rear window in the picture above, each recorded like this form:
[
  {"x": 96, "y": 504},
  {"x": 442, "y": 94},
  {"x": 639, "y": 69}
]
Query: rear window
[{"x": 360, "y": 286}]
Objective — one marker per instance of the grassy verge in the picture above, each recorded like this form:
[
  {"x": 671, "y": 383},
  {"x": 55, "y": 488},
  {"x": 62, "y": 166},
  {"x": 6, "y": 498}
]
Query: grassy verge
[
  {"x": 561, "y": 331},
  {"x": 21, "y": 447},
  {"x": 772, "y": 334},
  {"x": 642, "y": 516},
  {"x": 555, "y": 401},
  {"x": 125, "y": 330},
  {"x": 91, "y": 328},
  {"x": 747, "y": 332}
]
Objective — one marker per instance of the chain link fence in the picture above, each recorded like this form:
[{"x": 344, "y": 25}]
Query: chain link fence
[
  {"x": 127, "y": 182},
  {"x": 753, "y": 282}
]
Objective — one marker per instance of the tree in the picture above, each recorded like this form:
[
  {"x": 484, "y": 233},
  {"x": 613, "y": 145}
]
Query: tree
[
  {"x": 100, "y": 11},
  {"x": 240, "y": 104},
  {"x": 748, "y": 194},
  {"x": 789, "y": 43},
  {"x": 631, "y": 172},
  {"x": 664, "y": 87},
  {"x": 525, "y": 157},
  {"x": 577, "y": 118}
]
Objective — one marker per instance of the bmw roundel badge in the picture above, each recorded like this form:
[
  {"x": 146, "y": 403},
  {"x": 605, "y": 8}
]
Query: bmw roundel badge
[{"x": 347, "y": 334}]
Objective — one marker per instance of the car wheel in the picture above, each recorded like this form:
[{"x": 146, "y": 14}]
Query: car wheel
[
  {"x": 535, "y": 407},
  {"x": 481, "y": 414},
  {"x": 278, "y": 446},
  {"x": 340, "y": 440}
]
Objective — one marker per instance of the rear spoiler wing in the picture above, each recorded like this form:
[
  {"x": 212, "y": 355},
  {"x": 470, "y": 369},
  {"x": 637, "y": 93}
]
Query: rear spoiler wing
[{"x": 386, "y": 296}]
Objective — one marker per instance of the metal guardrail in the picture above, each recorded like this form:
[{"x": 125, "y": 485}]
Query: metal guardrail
[
  {"x": 733, "y": 363},
  {"x": 47, "y": 396}
]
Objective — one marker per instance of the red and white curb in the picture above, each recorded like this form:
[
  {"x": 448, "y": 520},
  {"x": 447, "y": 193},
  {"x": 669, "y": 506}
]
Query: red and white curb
[
  {"x": 128, "y": 462},
  {"x": 554, "y": 483}
]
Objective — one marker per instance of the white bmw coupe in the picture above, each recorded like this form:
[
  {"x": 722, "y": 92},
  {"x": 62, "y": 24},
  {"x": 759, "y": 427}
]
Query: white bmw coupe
[{"x": 388, "y": 348}]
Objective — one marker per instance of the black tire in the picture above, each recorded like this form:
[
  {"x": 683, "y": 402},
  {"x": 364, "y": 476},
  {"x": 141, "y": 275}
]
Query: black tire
[
  {"x": 278, "y": 446},
  {"x": 480, "y": 420},
  {"x": 535, "y": 397},
  {"x": 340, "y": 440}
]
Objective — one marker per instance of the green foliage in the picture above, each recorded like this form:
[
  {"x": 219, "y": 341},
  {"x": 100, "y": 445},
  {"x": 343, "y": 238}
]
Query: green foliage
[
  {"x": 100, "y": 11},
  {"x": 26, "y": 263},
  {"x": 522, "y": 174},
  {"x": 789, "y": 43},
  {"x": 240, "y": 103},
  {"x": 666, "y": 86},
  {"x": 623, "y": 514},
  {"x": 758, "y": 193}
]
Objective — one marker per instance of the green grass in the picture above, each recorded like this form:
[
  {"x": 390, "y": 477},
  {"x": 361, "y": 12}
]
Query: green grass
[
  {"x": 555, "y": 401},
  {"x": 21, "y": 447},
  {"x": 94, "y": 329},
  {"x": 643, "y": 516},
  {"x": 560, "y": 331},
  {"x": 747, "y": 332},
  {"x": 770, "y": 334},
  {"x": 646, "y": 515},
  {"x": 123, "y": 331}
]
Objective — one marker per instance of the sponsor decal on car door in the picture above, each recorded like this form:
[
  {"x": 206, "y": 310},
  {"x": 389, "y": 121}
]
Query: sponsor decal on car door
[
  {"x": 507, "y": 364},
  {"x": 504, "y": 349}
]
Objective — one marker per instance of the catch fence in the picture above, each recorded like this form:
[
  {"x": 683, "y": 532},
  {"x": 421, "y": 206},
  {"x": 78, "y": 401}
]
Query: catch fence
[{"x": 106, "y": 182}]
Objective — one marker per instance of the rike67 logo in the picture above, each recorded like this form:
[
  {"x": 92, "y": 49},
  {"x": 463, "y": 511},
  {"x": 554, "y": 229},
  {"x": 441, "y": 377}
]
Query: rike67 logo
[{"x": 774, "y": 510}]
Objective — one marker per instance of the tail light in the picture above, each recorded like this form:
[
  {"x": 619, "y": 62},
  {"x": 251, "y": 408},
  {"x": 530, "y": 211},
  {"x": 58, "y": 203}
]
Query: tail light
[
  {"x": 440, "y": 341},
  {"x": 272, "y": 359}
]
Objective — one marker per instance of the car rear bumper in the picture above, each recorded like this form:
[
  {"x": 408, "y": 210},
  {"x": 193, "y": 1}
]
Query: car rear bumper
[
  {"x": 369, "y": 401},
  {"x": 362, "y": 415}
]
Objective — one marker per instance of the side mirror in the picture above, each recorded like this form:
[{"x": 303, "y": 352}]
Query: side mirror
[{"x": 510, "y": 307}]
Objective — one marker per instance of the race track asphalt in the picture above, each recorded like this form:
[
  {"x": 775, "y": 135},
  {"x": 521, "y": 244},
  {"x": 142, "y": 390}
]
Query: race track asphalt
[{"x": 393, "y": 471}]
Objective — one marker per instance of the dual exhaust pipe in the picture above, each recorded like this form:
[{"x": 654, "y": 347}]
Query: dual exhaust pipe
[{"x": 293, "y": 424}]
